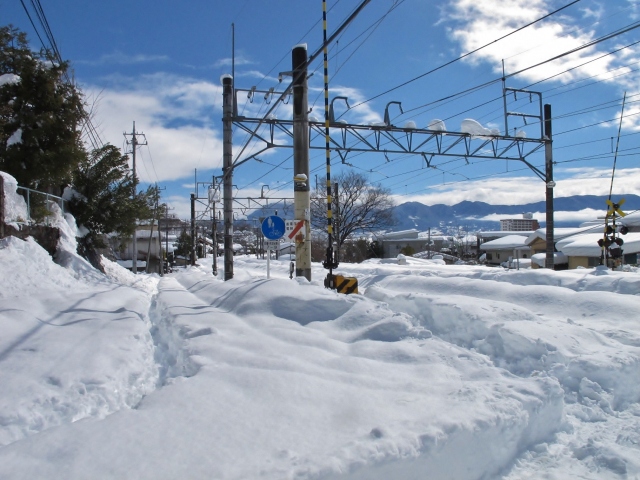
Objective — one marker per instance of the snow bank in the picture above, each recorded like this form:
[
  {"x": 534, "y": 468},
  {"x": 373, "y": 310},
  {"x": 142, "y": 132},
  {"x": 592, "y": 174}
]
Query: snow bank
[
  {"x": 445, "y": 371},
  {"x": 54, "y": 369},
  {"x": 529, "y": 336}
]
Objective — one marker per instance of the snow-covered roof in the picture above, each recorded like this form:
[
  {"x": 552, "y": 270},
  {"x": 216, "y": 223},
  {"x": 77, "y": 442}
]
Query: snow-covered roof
[
  {"x": 560, "y": 233},
  {"x": 631, "y": 220},
  {"x": 468, "y": 239},
  {"x": 502, "y": 233},
  {"x": 413, "y": 233},
  {"x": 587, "y": 245},
  {"x": 505, "y": 243}
]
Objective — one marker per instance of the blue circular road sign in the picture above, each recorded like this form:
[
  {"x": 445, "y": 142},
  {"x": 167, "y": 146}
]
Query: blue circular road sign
[{"x": 273, "y": 227}]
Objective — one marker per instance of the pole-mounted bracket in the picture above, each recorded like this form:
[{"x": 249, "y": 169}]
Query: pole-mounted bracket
[
  {"x": 387, "y": 121},
  {"x": 332, "y": 116}
]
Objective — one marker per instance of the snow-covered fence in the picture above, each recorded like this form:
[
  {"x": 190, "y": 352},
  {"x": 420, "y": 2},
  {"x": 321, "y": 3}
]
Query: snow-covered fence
[{"x": 40, "y": 205}]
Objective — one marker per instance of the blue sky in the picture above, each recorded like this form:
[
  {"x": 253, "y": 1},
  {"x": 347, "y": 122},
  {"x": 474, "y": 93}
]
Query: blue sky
[{"x": 159, "y": 64}]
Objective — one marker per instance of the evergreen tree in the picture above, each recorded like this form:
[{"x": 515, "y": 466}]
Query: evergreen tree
[
  {"x": 184, "y": 244},
  {"x": 40, "y": 117},
  {"x": 102, "y": 201}
]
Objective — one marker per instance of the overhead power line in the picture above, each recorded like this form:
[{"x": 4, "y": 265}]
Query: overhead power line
[
  {"x": 609, "y": 36},
  {"x": 556, "y": 57},
  {"x": 88, "y": 128},
  {"x": 466, "y": 54}
]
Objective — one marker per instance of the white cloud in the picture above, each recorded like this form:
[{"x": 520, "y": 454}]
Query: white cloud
[
  {"x": 120, "y": 58},
  {"x": 224, "y": 62},
  {"x": 479, "y": 23},
  {"x": 521, "y": 190},
  {"x": 595, "y": 13},
  {"x": 584, "y": 215},
  {"x": 180, "y": 205},
  {"x": 361, "y": 114},
  {"x": 177, "y": 116}
]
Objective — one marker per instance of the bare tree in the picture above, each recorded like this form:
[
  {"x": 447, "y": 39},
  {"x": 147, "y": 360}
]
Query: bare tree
[{"x": 359, "y": 207}]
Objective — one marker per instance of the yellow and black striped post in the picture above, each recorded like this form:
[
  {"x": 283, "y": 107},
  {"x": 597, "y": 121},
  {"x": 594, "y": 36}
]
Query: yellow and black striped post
[
  {"x": 341, "y": 284},
  {"x": 330, "y": 262}
]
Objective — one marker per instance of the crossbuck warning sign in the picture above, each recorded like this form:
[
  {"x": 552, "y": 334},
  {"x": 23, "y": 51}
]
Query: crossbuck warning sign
[{"x": 294, "y": 231}]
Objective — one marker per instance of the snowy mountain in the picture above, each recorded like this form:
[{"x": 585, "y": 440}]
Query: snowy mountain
[{"x": 471, "y": 215}]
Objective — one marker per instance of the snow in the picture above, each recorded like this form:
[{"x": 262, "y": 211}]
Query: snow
[
  {"x": 506, "y": 242},
  {"x": 437, "y": 125},
  {"x": 560, "y": 233},
  {"x": 631, "y": 220},
  {"x": 474, "y": 128},
  {"x": 15, "y": 138},
  {"x": 9, "y": 79},
  {"x": 587, "y": 244},
  {"x": 15, "y": 207},
  {"x": 433, "y": 371},
  {"x": 540, "y": 259}
]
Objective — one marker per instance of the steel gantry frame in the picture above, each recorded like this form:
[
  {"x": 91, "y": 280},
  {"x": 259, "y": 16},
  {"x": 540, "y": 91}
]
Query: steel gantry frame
[
  {"x": 346, "y": 138},
  {"x": 243, "y": 203},
  {"x": 427, "y": 143}
]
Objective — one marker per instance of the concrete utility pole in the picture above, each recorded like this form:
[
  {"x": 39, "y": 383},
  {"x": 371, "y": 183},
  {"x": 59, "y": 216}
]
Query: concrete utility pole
[
  {"x": 193, "y": 230},
  {"x": 301, "y": 190},
  {"x": 548, "y": 157},
  {"x": 227, "y": 172},
  {"x": 134, "y": 143},
  {"x": 214, "y": 229}
]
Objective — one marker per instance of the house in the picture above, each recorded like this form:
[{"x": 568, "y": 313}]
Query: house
[
  {"x": 537, "y": 242},
  {"x": 578, "y": 247},
  {"x": 147, "y": 246},
  {"x": 495, "y": 234},
  {"x": 395, "y": 243},
  {"x": 506, "y": 248},
  {"x": 583, "y": 250}
]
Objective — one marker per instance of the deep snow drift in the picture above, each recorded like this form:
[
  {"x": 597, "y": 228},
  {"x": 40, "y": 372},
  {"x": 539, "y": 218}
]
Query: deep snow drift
[{"x": 433, "y": 371}]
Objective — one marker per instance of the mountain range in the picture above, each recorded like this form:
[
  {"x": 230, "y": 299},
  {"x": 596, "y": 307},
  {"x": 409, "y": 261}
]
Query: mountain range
[{"x": 469, "y": 214}]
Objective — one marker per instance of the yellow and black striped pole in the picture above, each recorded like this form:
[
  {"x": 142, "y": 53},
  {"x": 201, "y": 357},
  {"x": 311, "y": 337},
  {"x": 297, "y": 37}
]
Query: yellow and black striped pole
[{"x": 330, "y": 263}]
